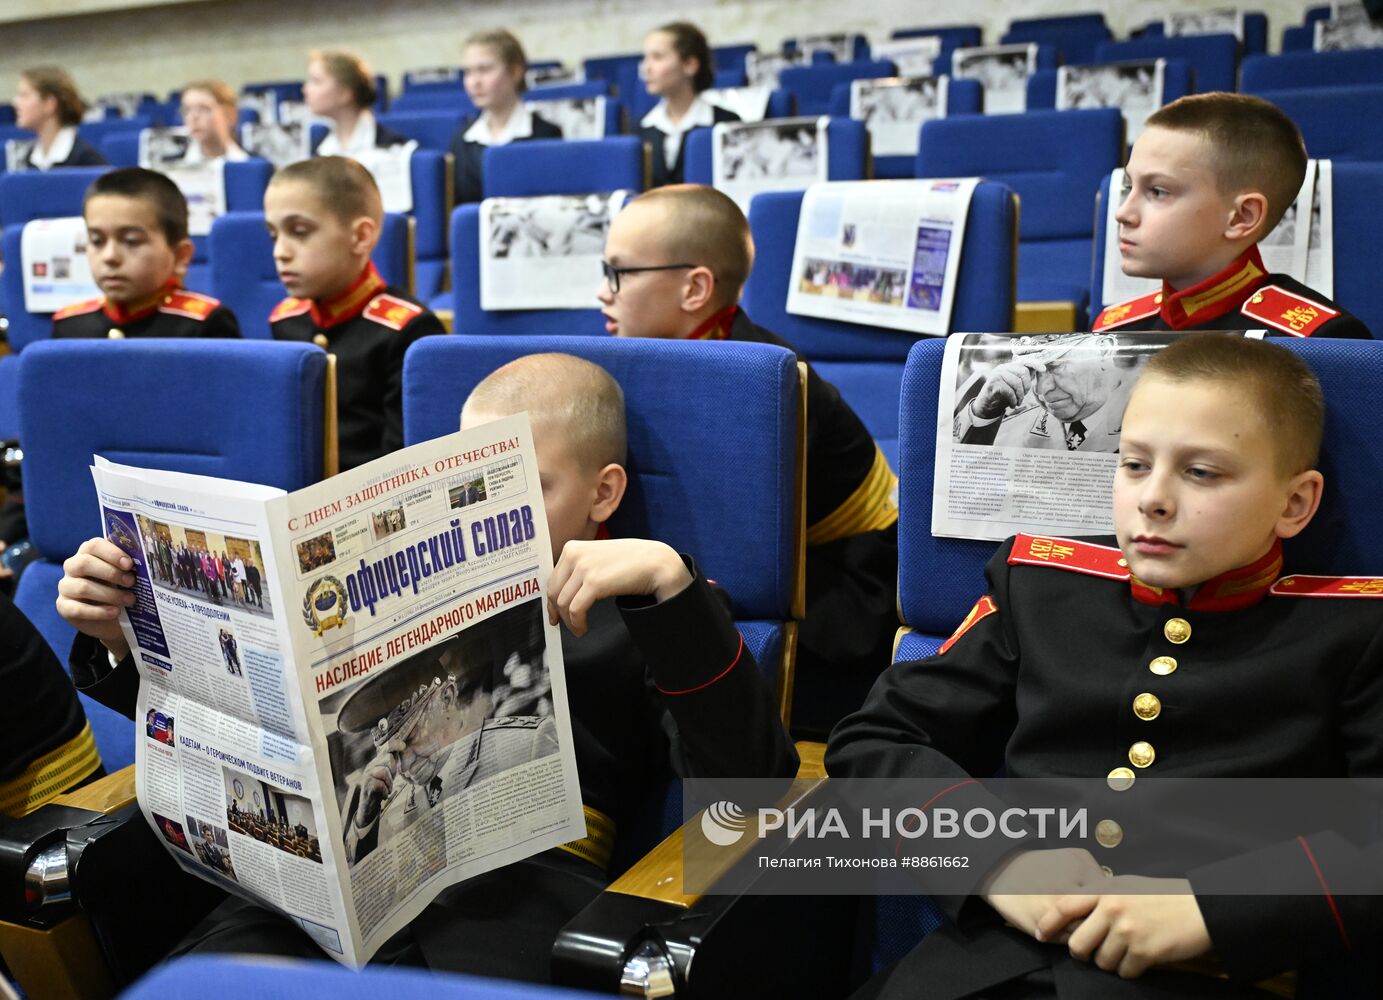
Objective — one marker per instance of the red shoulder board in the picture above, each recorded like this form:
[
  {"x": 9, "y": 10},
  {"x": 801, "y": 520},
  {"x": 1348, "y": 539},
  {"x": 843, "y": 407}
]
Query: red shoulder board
[
  {"x": 79, "y": 308},
  {"x": 1068, "y": 553},
  {"x": 1328, "y": 586},
  {"x": 193, "y": 305},
  {"x": 290, "y": 307},
  {"x": 1289, "y": 312},
  {"x": 983, "y": 608},
  {"x": 386, "y": 310},
  {"x": 1127, "y": 312}
]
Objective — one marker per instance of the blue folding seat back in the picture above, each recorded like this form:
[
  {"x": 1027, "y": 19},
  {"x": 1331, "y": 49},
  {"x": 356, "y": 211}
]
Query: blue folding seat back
[
  {"x": 564, "y": 166},
  {"x": 121, "y": 149},
  {"x": 1299, "y": 70},
  {"x": 963, "y": 97},
  {"x": 622, "y": 73},
  {"x": 431, "y": 179},
  {"x": 1330, "y": 119},
  {"x": 283, "y": 90},
  {"x": 847, "y": 152},
  {"x": 1074, "y": 38},
  {"x": 25, "y": 327},
  {"x": 152, "y": 403},
  {"x": 1255, "y": 32},
  {"x": 812, "y": 85},
  {"x": 1214, "y": 58},
  {"x": 7, "y": 114},
  {"x": 48, "y": 194},
  {"x": 1298, "y": 38},
  {"x": 955, "y": 36},
  {"x": 859, "y": 49},
  {"x": 433, "y": 97},
  {"x": 9, "y": 402},
  {"x": 431, "y": 129},
  {"x": 726, "y": 78},
  {"x": 730, "y": 58},
  {"x": 568, "y": 91},
  {"x": 743, "y": 400},
  {"x": 1055, "y": 160},
  {"x": 96, "y": 132},
  {"x": 1176, "y": 82}
]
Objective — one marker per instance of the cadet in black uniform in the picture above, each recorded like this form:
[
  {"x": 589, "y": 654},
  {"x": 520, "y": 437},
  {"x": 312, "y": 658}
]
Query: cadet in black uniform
[
  {"x": 649, "y": 686},
  {"x": 495, "y": 82},
  {"x": 138, "y": 248},
  {"x": 324, "y": 215},
  {"x": 677, "y": 258},
  {"x": 677, "y": 67},
  {"x": 1211, "y": 176}
]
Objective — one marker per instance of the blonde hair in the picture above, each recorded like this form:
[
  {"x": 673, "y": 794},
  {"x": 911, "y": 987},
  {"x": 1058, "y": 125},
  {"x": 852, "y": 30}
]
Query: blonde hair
[
  {"x": 705, "y": 227},
  {"x": 507, "y": 47},
  {"x": 54, "y": 82},
  {"x": 351, "y": 72}
]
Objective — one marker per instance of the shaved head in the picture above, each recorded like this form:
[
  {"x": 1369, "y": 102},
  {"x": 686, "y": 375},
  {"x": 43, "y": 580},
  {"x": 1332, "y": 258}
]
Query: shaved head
[{"x": 700, "y": 225}]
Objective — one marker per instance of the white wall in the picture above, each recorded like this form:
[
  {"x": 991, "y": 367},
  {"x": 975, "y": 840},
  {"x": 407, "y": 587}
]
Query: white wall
[{"x": 153, "y": 46}]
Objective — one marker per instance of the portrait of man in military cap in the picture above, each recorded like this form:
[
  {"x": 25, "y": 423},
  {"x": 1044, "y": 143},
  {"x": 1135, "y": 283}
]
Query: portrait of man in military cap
[{"x": 1063, "y": 392}]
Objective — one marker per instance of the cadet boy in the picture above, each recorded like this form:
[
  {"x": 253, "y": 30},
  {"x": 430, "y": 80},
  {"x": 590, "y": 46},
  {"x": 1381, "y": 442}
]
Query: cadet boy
[
  {"x": 138, "y": 247},
  {"x": 324, "y": 216},
  {"x": 676, "y": 260},
  {"x": 648, "y": 683},
  {"x": 1211, "y": 176}
]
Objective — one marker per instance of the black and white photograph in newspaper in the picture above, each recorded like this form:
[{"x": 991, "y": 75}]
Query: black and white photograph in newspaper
[
  {"x": 461, "y": 712},
  {"x": 270, "y": 815},
  {"x": 1337, "y": 35},
  {"x": 840, "y": 46},
  {"x": 761, "y": 69},
  {"x": 563, "y": 225},
  {"x": 1224, "y": 21},
  {"x": 1002, "y": 70},
  {"x": 894, "y": 108},
  {"x": 577, "y": 117},
  {"x": 218, "y": 569},
  {"x": 1135, "y": 88},
  {"x": 911, "y": 56},
  {"x": 161, "y": 148},
  {"x": 279, "y": 144}
]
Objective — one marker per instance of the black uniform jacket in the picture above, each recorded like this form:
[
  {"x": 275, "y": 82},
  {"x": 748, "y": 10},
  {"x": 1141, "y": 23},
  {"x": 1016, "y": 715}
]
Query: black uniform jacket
[
  {"x": 384, "y": 138},
  {"x": 663, "y": 172},
  {"x": 173, "y": 312},
  {"x": 1241, "y": 297},
  {"x": 1067, "y": 668},
  {"x": 83, "y": 154},
  {"x": 368, "y": 327},
  {"x": 468, "y": 158}
]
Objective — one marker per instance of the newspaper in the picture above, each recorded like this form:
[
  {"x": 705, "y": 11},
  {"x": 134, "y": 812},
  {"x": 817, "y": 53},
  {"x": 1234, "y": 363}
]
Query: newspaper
[
  {"x": 1306, "y": 254},
  {"x": 1225, "y": 21},
  {"x": 1348, "y": 10},
  {"x": 350, "y": 695},
  {"x": 17, "y": 154},
  {"x": 577, "y": 117},
  {"x": 264, "y": 103},
  {"x": 279, "y": 144},
  {"x": 125, "y": 105},
  {"x": 54, "y": 264},
  {"x": 289, "y": 112},
  {"x": 392, "y": 169},
  {"x": 1135, "y": 88},
  {"x": 911, "y": 56},
  {"x": 781, "y": 154},
  {"x": 1353, "y": 32},
  {"x": 761, "y": 69},
  {"x": 840, "y": 46},
  {"x": 202, "y": 183},
  {"x": 894, "y": 108},
  {"x": 1027, "y": 431},
  {"x": 544, "y": 252},
  {"x": 1003, "y": 70},
  {"x": 750, "y": 104},
  {"x": 885, "y": 253},
  {"x": 551, "y": 76},
  {"x": 432, "y": 74}
]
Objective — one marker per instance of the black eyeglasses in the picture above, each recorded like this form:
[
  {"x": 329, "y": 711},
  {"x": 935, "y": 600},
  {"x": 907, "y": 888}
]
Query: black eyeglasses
[{"x": 612, "y": 273}]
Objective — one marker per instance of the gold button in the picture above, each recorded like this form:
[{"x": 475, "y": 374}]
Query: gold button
[
  {"x": 116, "y": 334},
  {"x": 320, "y": 339},
  {"x": 1120, "y": 779},
  {"x": 1108, "y": 871},
  {"x": 1158, "y": 299},
  {"x": 1141, "y": 754},
  {"x": 1123, "y": 562},
  {"x": 1257, "y": 298},
  {"x": 1177, "y": 630},
  {"x": 1163, "y": 665},
  {"x": 1147, "y": 706},
  {"x": 1108, "y": 833}
]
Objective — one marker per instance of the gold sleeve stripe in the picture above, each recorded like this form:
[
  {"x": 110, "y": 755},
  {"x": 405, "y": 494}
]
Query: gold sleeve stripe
[
  {"x": 599, "y": 842},
  {"x": 50, "y": 775},
  {"x": 870, "y": 508}
]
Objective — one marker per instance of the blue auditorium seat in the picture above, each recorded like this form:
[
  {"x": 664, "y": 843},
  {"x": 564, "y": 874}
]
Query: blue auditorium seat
[
  {"x": 430, "y": 172},
  {"x": 1176, "y": 82},
  {"x": 431, "y": 129},
  {"x": 847, "y": 152},
  {"x": 434, "y": 97},
  {"x": 1255, "y": 32},
  {"x": 121, "y": 149},
  {"x": 1301, "y": 70},
  {"x": 283, "y": 90},
  {"x": 864, "y": 362},
  {"x": 9, "y": 402},
  {"x": 812, "y": 85},
  {"x": 156, "y": 404},
  {"x": 566, "y": 91},
  {"x": 621, "y": 72},
  {"x": 859, "y": 47},
  {"x": 243, "y": 275},
  {"x": 963, "y": 97},
  {"x": 1055, "y": 160},
  {"x": 1074, "y": 36},
  {"x": 96, "y": 132},
  {"x": 730, "y": 58},
  {"x": 1214, "y": 58},
  {"x": 7, "y": 114},
  {"x": 1330, "y": 120}
]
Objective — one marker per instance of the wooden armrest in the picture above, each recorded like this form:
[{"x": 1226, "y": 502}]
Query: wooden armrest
[
  {"x": 104, "y": 795},
  {"x": 1044, "y": 317}
]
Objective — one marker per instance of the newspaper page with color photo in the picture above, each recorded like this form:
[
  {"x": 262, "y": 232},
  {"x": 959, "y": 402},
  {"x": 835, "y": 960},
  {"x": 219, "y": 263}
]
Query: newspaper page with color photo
[
  {"x": 202, "y": 182},
  {"x": 911, "y": 56},
  {"x": 1028, "y": 431},
  {"x": 894, "y": 108},
  {"x": 1004, "y": 72},
  {"x": 352, "y": 698},
  {"x": 780, "y": 154},
  {"x": 54, "y": 264},
  {"x": 1226, "y": 21},
  {"x": 884, "y": 253},
  {"x": 1135, "y": 88},
  {"x": 544, "y": 252}
]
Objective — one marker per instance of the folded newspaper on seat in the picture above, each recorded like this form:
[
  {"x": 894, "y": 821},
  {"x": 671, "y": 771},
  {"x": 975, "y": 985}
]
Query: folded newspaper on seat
[{"x": 351, "y": 695}]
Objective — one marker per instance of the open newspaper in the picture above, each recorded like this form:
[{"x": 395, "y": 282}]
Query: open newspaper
[
  {"x": 202, "y": 182},
  {"x": 351, "y": 695},
  {"x": 544, "y": 252},
  {"x": 779, "y": 154},
  {"x": 1027, "y": 430},
  {"x": 1135, "y": 88},
  {"x": 894, "y": 108},
  {"x": 1002, "y": 69}
]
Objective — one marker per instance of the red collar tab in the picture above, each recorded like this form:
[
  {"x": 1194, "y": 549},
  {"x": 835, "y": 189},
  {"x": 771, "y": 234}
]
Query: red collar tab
[
  {"x": 1069, "y": 553},
  {"x": 1239, "y": 588},
  {"x": 602, "y": 533},
  {"x": 133, "y": 312},
  {"x": 1218, "y": 294},
  {"x": 1328, "y": 586},
  {"x": 350, "y": 303},
  {"x": 1128, "y": 312},
  {"x": 717, "y": 327}
]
